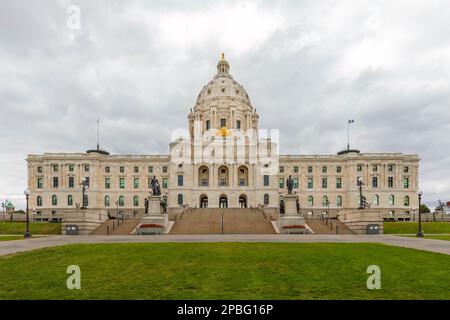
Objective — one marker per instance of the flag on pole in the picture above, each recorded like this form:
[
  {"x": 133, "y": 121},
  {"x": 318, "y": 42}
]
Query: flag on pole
[{"x": 351, "y": 121}]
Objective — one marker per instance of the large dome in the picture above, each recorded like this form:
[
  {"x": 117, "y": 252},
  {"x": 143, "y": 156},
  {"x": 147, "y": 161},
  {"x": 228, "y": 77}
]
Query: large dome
[{"x": 223, "y": 86}]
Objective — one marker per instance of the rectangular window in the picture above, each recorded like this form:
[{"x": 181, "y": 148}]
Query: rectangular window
[
  {"x": 310, "y": 169},
  {"x": 122, "y": 169},
  {"x": 324, "y": 183},
  {"x": 136, "y": 183},
  {"x": 136, "y": 169},
  {"x": 405, "y": 169},
  {"x": 359, "y": 168},
  {"x": 281, "y": 183},
  {"x": 40, "y": 183},
  {"x": 150, "y": 169},
  {"x": 406, "y": 183},
  {"x": 338, "y": 169},
  {"x": 149, "y": 183},
  {"x": 122, "y": 183},
  {"x": 71, "y": 182},
  {"x": 324, "y": 169},
  {"x": 164, "y": 169},
  {"x": 180, "y": 180},
  {"x": 374, "y": 182},
  {"x": 86, "y": 168},
  {"x": 107, "y": 183},
  {"x": 238, "y": 124},
  {"x": 70, "y": 167},
  {"x": 208, "y": 124},
  {"x": 281, "y": 169},
  {"x": 390, "y": 182},
  {"x": 295, "y": 183},
  {"x": 266, "y": 180},
  {"x": 296, "y": 169},
  {"x": 338, "y": 183},
  {"x": 55, "y": 167},
  {"x": 374, "y": 168},
  {"x": 310, "y": 183},
  {"x": 107, "y": 169},
  {"x": 165, "y": 183},
  {"x": 39, "y": 169},
  {"x": 223, "y": 123},
  {"x": 55, "y": 182},
  {"x": 390, "y": 167}
]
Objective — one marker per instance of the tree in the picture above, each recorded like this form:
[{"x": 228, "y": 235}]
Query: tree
[{"x": 424, "y": 209}]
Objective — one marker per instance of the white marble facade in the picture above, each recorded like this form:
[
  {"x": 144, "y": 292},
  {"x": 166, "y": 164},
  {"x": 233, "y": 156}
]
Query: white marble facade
[{"x": 224, "y": 161}]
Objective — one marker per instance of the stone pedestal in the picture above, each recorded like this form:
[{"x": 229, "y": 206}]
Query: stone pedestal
[
  {"x": 291, "y": 222},
  {"x": 155, "y": 222},
  {"x": 360, "y": 221}
]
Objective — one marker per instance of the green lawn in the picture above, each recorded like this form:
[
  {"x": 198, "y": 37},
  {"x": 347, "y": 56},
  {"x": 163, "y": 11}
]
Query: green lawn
[
  {"x": 225, "y": 271},
  {"x": 411, "y": 227},
  {"x": 11, "y": 228},
  {"x": 9, "y": 238}
]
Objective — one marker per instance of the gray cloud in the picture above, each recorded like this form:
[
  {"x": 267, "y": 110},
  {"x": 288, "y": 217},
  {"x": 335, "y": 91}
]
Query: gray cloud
[{"x": 307, "y": 66}]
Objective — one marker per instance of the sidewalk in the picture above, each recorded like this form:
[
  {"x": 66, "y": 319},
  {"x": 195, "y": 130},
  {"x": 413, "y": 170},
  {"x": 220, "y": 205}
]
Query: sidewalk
[{"x": 14, "y": 246}]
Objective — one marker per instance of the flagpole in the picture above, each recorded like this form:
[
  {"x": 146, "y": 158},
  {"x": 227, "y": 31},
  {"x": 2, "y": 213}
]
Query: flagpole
[{"x": 348, "y": 135}]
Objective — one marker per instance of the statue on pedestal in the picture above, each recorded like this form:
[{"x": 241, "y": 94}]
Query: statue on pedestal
[
  {"x": 156, "y": 188},
  {"x": 289, "y": 184}
]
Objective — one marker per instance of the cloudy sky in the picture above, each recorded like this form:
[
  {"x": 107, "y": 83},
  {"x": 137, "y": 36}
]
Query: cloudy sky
[{"x": 308, "y": 66}]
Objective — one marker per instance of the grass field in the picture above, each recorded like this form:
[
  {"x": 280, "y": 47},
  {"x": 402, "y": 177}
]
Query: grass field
[
  {"x": 16, "y": 228},
  {"x": 225, "y": 271},
  {"x": 9, "y": 238},
  {"x": 411, "y": 227}
]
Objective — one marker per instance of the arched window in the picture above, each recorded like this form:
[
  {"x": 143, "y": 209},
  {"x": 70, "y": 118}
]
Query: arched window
[
  {"x": 180, "y": 199},
  {"x": 406, "y": 201},
  {"x": 107, "y": 201},
  {"x": 266, "y": 199},
  {"x": 391, "y": 200},
  {"x": 39, "y": 201},
  {"x": 54, "y": 200},
  {"x": 339, "y": 201},
  {"x": 135, "y": 201},
  {"x": 310, "y": 201},
  {"x": 121, "y": 201},
  {"x": 69, "y": 200},
  {"x": 376, "y": 200},
  {"x": 324, "y": 201}
]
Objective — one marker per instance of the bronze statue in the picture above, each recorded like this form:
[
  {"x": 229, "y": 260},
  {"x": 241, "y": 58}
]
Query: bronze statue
[
  {"x": 289, "y": 184},
  {"x": 156, "y": 189}
]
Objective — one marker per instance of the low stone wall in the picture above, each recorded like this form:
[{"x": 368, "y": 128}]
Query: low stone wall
[
  {"x": 86, "y": 220},
  {"x": 358, "y": 220}
]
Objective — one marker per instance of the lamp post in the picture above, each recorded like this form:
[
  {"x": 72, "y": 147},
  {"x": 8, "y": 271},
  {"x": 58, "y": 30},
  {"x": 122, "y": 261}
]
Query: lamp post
[
  {"x": 414, "y": 214},
  {"x": 84, "y": 185},
  {"x": 419, "y": 231},
  {"x": 27, "y": 232},
  {"x": 117, "y": 205}
]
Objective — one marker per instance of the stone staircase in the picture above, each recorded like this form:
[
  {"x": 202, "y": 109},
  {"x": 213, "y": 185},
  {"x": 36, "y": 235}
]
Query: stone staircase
[
  {"x": 321, "y": 227},
  {"x": 235, "y": 221},
  {"x": 116, "y": 227}
]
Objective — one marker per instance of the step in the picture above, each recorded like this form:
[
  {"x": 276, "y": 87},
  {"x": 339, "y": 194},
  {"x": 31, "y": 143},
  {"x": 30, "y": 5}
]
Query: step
[{"x": 235, "y": 221}]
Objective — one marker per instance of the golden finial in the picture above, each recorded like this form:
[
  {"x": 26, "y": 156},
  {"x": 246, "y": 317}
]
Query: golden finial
[{"x": 222, "y": 57}]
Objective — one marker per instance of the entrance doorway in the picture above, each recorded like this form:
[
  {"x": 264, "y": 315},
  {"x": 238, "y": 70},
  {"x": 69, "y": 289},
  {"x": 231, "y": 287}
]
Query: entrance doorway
[
  {"x": 243, "y": 201},
  {"x": 223, "y": 201},
  {"x": 203, "y": 201}
]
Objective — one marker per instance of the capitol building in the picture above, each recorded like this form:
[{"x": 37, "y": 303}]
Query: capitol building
[{"x": 223, "y": 160}]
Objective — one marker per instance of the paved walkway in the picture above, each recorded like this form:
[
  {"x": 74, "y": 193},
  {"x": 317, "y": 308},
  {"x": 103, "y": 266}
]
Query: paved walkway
[{"x": 440, "y": 246}]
